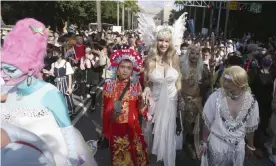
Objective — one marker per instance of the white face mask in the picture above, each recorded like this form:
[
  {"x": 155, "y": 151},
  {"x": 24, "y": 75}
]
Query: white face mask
[{"x": 183, "y": 52}]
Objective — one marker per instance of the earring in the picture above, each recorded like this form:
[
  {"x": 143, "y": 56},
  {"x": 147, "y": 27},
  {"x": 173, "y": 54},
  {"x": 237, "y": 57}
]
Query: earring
[{"x": 29, "y": 78}]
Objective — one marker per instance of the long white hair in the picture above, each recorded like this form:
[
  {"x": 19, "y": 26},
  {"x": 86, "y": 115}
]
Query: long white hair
[{"x": 185, "y": 66}]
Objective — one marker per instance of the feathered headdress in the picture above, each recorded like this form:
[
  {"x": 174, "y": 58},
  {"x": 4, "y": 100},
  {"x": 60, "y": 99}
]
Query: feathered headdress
[
  {"x": 149, "y": 30},
  {"x": 126, "y": 54}
]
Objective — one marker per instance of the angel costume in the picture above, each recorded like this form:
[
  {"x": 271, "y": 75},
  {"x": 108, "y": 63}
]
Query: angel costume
[
  {"x": 195, "y": 85},
  {"x": 225, "y": 144},
  {"x": 164, "y": 95}
]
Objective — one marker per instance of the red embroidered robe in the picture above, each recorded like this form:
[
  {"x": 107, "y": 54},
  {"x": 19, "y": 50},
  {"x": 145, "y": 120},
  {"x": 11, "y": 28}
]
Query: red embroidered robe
[{"x": 127, "y": 144}]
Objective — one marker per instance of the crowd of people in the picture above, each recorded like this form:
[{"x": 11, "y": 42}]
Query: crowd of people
[{"x": 211, "y": 97}]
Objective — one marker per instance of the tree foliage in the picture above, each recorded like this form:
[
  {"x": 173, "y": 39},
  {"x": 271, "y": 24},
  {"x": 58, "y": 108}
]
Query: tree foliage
[
  {"x": 132, "y": 4},
  {"x": 56, "y": 13}
]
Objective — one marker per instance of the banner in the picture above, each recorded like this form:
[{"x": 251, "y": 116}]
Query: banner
[{"x": 117, "y": 29}]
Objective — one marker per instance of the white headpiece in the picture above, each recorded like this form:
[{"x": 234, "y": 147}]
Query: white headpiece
[{"x": 149, "y": 30}]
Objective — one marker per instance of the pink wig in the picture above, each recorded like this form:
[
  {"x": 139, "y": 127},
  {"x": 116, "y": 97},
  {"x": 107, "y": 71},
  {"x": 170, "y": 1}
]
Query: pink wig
[{"x": 25, "y": 46}]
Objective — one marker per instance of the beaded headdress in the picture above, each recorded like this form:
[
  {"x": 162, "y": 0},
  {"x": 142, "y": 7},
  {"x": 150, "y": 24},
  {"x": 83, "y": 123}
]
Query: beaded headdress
[{"x": 126, "y": 54}]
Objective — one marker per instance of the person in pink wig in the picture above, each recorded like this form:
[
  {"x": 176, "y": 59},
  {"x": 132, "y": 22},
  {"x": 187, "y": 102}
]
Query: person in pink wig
[{"x": 35, "y": 105}]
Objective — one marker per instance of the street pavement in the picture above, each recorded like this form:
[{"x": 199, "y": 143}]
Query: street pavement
[{"x": 87, "y": 121}]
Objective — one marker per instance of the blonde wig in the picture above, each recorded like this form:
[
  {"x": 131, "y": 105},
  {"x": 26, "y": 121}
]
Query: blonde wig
[
  {"x": 238, "y": 76},
  {"x": 170, "y": 56},
  {"x": 185, "y": 66}
]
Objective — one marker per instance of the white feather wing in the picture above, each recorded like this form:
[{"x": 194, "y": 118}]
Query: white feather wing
[
  {"x": 147, "y": 28},
  {"x": 179, "y": 29}
]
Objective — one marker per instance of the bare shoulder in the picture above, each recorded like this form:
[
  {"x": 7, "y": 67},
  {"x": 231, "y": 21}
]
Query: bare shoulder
[{"x": 149, "y": 63}]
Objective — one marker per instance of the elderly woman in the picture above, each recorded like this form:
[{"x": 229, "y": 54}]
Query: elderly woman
[{"x": 230, "y": 114}]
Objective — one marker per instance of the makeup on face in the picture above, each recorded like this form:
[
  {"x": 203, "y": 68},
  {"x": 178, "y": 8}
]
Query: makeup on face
[{"x": 12, "y": 75}]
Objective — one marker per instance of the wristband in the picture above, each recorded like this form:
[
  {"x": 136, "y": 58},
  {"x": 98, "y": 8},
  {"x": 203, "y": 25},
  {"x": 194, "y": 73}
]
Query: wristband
[{"x": 250, "y": 148}]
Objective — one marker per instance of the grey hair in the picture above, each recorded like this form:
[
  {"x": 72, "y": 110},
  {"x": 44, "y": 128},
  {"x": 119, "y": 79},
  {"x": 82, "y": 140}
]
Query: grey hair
[{"x": 185, "y": 66}]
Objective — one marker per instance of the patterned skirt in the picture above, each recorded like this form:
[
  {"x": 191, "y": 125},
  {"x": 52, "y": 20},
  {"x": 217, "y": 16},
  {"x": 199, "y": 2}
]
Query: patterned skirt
[{"x": 127, "y": 146}]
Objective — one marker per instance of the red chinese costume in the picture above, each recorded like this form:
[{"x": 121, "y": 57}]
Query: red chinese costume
[{"x": 127, "y": 144}]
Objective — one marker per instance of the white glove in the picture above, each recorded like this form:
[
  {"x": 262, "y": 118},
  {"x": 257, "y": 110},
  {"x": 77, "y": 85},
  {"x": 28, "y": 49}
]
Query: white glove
[{"x": 70, "y": 140}]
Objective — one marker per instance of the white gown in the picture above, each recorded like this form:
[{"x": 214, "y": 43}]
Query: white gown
[
  {"x": 225, "y": 144},
  {"x": 32, "y": 116},
  {"x": 164, "y": 93}
]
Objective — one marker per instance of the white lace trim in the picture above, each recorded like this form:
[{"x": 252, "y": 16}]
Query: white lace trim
[
  {"x": 224, "y": 112},
  {"x": 11, "y": 116},
  {"x": 251, "y": 129}
]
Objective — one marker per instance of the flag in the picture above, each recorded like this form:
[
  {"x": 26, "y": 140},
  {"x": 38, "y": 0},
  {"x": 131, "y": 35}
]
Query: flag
[{"x": 70, "y": 52}]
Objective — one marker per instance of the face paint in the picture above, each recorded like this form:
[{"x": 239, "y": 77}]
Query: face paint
[{"x": 12, "y": 75}]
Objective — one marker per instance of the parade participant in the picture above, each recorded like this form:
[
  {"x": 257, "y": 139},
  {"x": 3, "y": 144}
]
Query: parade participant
[
  {"x": 206, "y": 55},
  {"x": 261, "y": 84},
  {"x": 196, "y": 82},
  {"x": 162, "y": 83},
  {"x": 89, "y": 76},
  {"x": 231, "y": 61},
  {"x": 183, "y": 49},
  {"x": 230, "y": 114},
  {"x": 102, "y": 53},
  {"x": 48, "y": 61},
  {"x": 230, "y": 47},
  {"x": 79, "y": 49},
  {"x": 271, "y": 144},
  {"x": 119, "y": 44},
  {"x": 62, "y": 71},
  {"x": 38, "y": 106},
  {"x": 21, "y": 147},
  {"x": 121, "y": 105}
]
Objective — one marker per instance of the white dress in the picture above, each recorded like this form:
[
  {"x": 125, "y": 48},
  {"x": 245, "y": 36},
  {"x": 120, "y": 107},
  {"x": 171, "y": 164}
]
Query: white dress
[
  {"x": 33, "y": 116},
  {"x": 225, "y": 144},
  {"x": 164, "y": 113}
]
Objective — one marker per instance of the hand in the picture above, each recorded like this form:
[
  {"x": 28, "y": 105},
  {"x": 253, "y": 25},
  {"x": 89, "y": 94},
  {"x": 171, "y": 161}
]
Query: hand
[
  {"x": 76, "y": 161},
  {"x": 212, "y": 63},
  {"x": 82, "y": 67},
  {"x": 76, "y": 61},
  {"x": 69, "y": 91},
  {"x": 149, "y": 117},
  {"x": 146, "y": 96},
  {"x": 202, "y": 149},
  {"x": 45, "y": 71}
]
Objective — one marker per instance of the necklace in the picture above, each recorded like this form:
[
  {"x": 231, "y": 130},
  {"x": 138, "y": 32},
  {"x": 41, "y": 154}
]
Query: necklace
[{"x": 233, "y": 97}]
